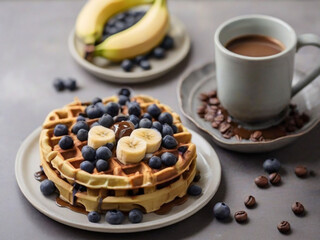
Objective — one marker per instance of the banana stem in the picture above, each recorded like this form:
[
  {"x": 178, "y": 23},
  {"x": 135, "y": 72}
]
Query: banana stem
[{"x": 89, "y": 52}]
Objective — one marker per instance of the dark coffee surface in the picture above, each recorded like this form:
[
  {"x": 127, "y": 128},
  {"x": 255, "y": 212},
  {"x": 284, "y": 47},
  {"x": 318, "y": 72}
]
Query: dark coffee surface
[{"x": 255, "y": 46}]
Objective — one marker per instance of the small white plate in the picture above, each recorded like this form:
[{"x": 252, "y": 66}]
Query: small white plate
[
  {"x": 108, "y": 71},
  {"x": 28, "y": 160}
]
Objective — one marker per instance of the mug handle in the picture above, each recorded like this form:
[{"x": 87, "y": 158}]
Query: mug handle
[{"x": 307, "y": 39}]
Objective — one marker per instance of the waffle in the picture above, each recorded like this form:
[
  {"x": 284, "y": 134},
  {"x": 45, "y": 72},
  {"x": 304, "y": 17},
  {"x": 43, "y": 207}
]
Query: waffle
[{"x": 122, "y": 186}]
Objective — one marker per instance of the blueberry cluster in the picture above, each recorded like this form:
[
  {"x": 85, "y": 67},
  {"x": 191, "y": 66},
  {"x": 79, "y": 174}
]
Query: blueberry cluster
[
  {"x": 116, "y": 216},
  {"x": 60, "y": 84}
]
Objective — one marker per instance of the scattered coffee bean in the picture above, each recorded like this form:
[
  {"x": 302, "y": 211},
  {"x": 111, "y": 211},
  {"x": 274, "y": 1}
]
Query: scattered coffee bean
[
  {"x": 224, "y": 127},
  {"x": 215, "y": 124},
  {"x": 274, "y": 178},
  {"x": 297, "y": 208},
  {"x": 256, "y": 136},
  {"x": 219, "y": 118},
  {"x": 250, "y": 201},
  {"x": 301, "y": 171},
  {"x": 212, "y": 93},
  {"x": 214, "y": 101},
  {"x": 203, "y": 97},
  {"x": 241, "y": 216},
  {"x": 201, "y": 110},
  {"x": 284, "y": 227},
  {"x": 261, "y": 181}
]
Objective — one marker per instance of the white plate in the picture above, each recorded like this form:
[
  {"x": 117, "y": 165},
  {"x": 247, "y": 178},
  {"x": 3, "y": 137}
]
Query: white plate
[
  {"x": 113, "y": 72},
  {"x": 28, "y": 160}
]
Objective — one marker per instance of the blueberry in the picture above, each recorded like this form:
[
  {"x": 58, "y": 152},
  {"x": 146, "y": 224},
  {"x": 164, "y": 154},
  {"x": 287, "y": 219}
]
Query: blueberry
[
  {"x": 123, "y": 100},
  {"x": 101, "y": 106},
  {"x": 145, "y": 65},
  {"x": 94, "y": 124},
  {"x": 47, "y": 187},
  {"x": 182, "y": 149},
  {"x": 169, "y": 142},
  {"x": 166, "y": 130},
  {"x": 103, "y": 153},
  {"x": 221, "y": 211},
  {"x": 94, "y": 217},
  {"x": 121, "y": 118},
  {"x": 130, "y": 20},
  {"x": 96, "y": 100},
  {"x": 168, "y": 159},
  {"x": 79, "y": 187},
  {"x": 112, "y": 109},
  {"x": 58, "y": 84},
  {"x": 271, "y": 165},
  {"x": 71, "y": 84},
  {"x": 139, "y": 58},
  {"x": 60, "y": 130},
  {"x": 102, "y": 165},
  {"x": 158, "y": 53},
  {"x": 110, "y": 30},
  {"x": 145, "y": 123},
  {"x": 165, "y": 117},
  {"x": 82, "y": 135},
  {"x": 167, "y": 43},
  {"x": 135, "y": 215},
  {"x": 106, "y": 120},
  {"x": 81, "y": 118},
  {"x": 93, "y": 111},
  {"x": 134, "y": 119},
  {"x": 87, "y": 166},
  {"x": 121, "y": 16},
  {"x": 134, "y": 108},
  {"x": 147, "y": 115},
  {"x": 157, "y": 125},
  {"x": 124, "y": 92},
  {"x": 120, "y": 26},
  {"x": 155, "y": 162},
  {"x": 114, "y": 216},
  {"x": 80, "y": 125},
  {"x": 127, "y": 65},
  {"x": 110, "y": 146},
  {"x": 194, "y": 190},
  {"x": 66, "y": 142},
  {"x": 88, "y": 153},
  {"x": 154, "y": 110},
  {"x": 174, "y": 128}
]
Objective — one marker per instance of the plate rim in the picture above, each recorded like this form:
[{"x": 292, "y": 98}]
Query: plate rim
[{"x": 181, "y": 215}]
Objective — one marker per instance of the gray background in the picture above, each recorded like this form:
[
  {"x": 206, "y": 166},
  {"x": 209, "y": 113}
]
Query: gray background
[{"x": 34, "y": 51}]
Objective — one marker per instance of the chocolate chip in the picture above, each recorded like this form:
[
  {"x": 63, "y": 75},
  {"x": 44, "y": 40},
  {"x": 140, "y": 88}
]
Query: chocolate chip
[
  {"x": 203, "y": 97},
  {"x": 224, "y": 127},
  {"x": 214, "y": 101},
  {"x": 301, "y": 171},
  {"x": 261, "y": 181},
  {"x": 241, "y": 216},
  {"x": 274, "y": 178},
  {"x": 212, "y": 93},
  {"x": 284, "y": 227},
  {"x": 297, "y": 208},
  {"x": 250, "y": 201}
]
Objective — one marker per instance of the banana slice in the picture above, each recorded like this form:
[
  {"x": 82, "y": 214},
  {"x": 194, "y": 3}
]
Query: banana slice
[
  {"x": 131, "y": 150},
  {"x": 99, "y": 136},
  {"x": 151, "y": 136}
]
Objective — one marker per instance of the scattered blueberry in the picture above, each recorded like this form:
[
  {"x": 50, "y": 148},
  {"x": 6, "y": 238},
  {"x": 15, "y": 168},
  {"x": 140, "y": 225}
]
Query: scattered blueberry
[
  {"x": 87, "y": 166},
  {"x": 82, "y": 135},
  {"x": 106, "y": 120},
  {"x": 102, "y": 165},
  {"x": 127, "y": 65},
  {"x": 145, "y": 123},
  {"x": 167, "y": 43},
  {"x": 157, "y": 125},
  {"x": 154, "y": 110},
  {"x": 112, "y": 109},
  {"x": 182, "y": 149},
  {"x": 134, "y": 108},
  {"x": 124, "y": 92},
  {"x": 123, "y": 100},
  {"x": 166, "y": 130},
  {"x": 114, "y": 216},
  {"x": 96, "y": 100},
  {"x": 88, "y": 153},
  {"x": 58, "y": 84},
  {"x": 94, "y": 217},
  {"x": 60, "y": 129},
  {"x": 93, "y": 111},
  {"x": 147, "y": 115},
  {"x": 194, "y": 190},
  {"x": 168, "y": 159},
  {"x": 158, "y": 53},
  {"x": 145, "y": 65},
  {"x": 165, "y": 117},
  {"x": 79, "y": 125},
  {"x": 271, "y": 165},
  {"x": 103, "y": 153},
  {"x": 110, "y": 146},
  {"x": 71, "y": 84},
  {"x": 139, "y": 58},
  {"x": 94, "y": 124},
  {"x": 66, "y": 142},
  {"x": 134, "y": 119},
  {"x": 81, "y": 118},
  {"x": 135, "y": 215},
  {"x": 221, "y": 211},
  {"x": 47, "y": 187},
  {"x": 174, "y": 128},
  {"x": 155, "y": 162},
  {"x": 169, "y": 142}
]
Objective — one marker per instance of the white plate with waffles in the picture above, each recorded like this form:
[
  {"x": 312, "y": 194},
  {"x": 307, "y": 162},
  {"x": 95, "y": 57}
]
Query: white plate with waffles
[{"x": 27, "y": 163}]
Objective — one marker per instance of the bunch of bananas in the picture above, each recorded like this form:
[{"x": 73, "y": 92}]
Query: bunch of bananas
[{"x": 136, "y": 40}]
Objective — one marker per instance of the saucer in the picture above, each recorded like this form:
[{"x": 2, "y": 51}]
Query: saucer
[
  {"x": 203, "y": 79},
  {"x": 112, "y": 72}
]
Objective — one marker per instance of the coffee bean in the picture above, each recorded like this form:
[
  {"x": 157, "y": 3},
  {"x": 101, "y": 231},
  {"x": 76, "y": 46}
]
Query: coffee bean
[
  {"x": 219, "y": 118},
  {"x": 256, "y": 135},
  {"x": 215, "y": 124},
  {"x": 212, "y": 93},
  {"x": 214, "y": 101},
  {"x": 305, "y": 118},
  {"x": 297, "y": 208},
  {"x": 209, "y": 117},
  {"x": 284, "y": 227},
  {"x": 228, "y": 134},
  {"x": 301, "y": 171},
  {"x": 261, "y": 181},
  {"x": 250, "y": 201},
  {"x": 239, "y": 138},
  {"x": 203, "y": 97},
  {"x": 275, "y": 178},
  {"x": 241, "y": 216},
  {"x": 224, "y": 127},
  {"x": 201, "y": 110}
]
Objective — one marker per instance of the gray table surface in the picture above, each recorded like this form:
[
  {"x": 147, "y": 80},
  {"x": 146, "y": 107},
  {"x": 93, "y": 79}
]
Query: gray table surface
[{"x": 34, "y": 52}]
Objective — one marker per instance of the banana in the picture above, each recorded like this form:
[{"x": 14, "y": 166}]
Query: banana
[
  {"x": 95, "y": 13},
  {"x": 150, "y": 136},
  {"x": 138, "y": 39},
  {"x": 99, "y": 136},
  {"x": 131, "y": 150}
]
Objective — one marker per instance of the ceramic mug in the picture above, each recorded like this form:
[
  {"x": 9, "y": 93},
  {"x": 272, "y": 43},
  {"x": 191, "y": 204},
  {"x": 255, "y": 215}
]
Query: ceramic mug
[{"x": 256, "y": 91}]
